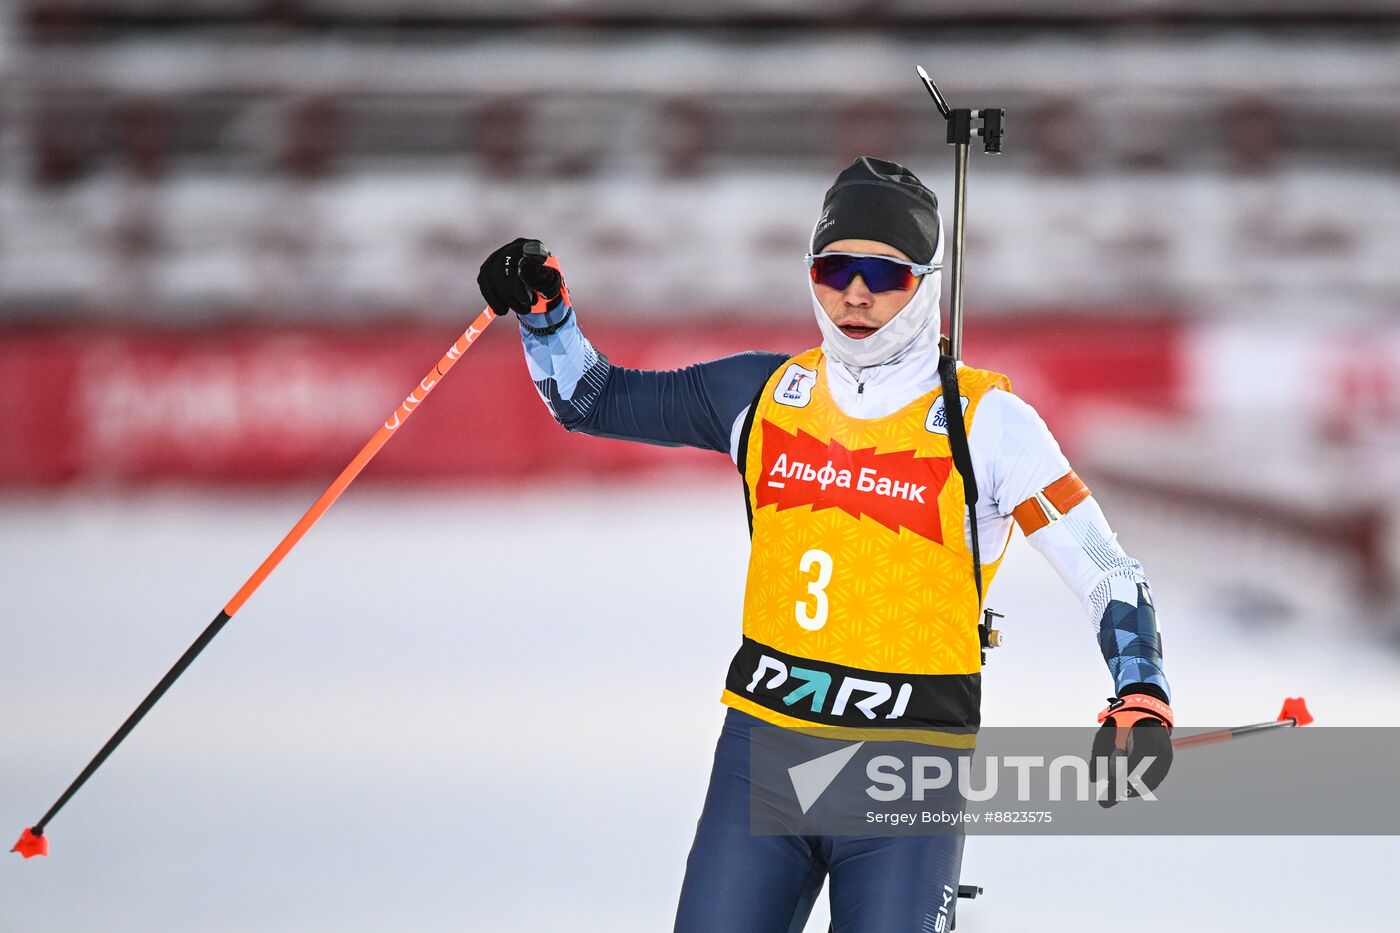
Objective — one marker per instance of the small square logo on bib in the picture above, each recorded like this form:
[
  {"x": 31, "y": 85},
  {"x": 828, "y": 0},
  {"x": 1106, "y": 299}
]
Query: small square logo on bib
[
  {"x": 795, "y": 388},
  {"x": 937, "y": 420}
]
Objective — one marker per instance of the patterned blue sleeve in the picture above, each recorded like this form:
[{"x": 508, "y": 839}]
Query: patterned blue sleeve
[
  {"x": 1128, "y": 635},
  {"x": 691, "y": 407}
]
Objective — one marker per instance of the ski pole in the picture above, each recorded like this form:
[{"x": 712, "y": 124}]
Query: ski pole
[
  {"x": 1294, "y": 713},
  {"x": 32, "y": 841}
]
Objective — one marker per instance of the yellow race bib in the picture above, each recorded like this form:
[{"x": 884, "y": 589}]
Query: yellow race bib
[{"x": 860, "y": 609}]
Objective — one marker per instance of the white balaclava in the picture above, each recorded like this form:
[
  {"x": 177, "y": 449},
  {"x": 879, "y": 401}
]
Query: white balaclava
[
  {"x": 917, "y": 324},
  {"x": 884, "y": 201}
]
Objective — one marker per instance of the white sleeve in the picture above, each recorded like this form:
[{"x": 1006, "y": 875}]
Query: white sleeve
[
  {"x": 1014, "y": 456},
  {"x": 1086, "y": 554}
]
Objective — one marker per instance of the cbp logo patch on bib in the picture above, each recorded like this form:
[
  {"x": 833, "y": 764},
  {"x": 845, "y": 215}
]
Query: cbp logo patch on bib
[
  {"x": 795, "y": 388},
  {"x": 937, "y": 420}
]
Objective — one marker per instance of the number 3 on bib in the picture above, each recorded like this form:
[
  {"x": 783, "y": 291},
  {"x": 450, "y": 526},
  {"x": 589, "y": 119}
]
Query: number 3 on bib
[{"x": 813, "y": 617}]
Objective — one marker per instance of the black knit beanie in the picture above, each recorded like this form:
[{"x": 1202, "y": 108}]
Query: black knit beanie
[{"x": 884, "y": 201}]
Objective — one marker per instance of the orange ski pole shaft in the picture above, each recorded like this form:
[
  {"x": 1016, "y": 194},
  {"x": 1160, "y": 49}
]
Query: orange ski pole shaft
[
  {"x": 1294, "y": 714},
  {"x": 33, "y": 842},
  {"x": 366, "y": 454}
]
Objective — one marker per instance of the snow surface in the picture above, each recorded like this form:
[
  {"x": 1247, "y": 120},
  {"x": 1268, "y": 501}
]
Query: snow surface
[{"x": 420, "y": 722}]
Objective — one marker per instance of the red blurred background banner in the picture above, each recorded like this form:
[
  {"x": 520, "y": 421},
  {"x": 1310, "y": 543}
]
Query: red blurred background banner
[{"x": 259, "y": 404}]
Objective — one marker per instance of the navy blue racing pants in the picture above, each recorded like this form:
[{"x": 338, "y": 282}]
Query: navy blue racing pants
[{"x": 738, "y": 882}]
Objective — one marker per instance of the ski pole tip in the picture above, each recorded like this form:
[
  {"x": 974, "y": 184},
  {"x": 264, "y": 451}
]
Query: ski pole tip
[
  {"x": 31, "y": 844},
  {"x": 1295, "y": 708}
]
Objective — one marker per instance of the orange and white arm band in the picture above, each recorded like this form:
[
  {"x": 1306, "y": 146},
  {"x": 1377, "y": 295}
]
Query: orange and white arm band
[{"x": 1050, "y": 504}]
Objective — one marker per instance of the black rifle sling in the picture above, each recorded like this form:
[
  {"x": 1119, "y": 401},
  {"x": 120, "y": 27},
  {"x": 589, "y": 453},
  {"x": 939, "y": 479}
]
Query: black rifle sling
[
  {"x": 741, "y": 454},
  {"x": 962, "y": 457}
]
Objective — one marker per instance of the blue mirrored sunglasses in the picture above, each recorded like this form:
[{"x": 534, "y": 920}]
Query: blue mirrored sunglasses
[{"x": 880, "y": 273}]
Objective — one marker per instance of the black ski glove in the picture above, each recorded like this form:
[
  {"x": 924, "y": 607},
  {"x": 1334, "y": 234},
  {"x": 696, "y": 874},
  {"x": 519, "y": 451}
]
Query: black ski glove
[
  {"x": 522, "y": 277},
  {"x": 1138, "y": 725}
]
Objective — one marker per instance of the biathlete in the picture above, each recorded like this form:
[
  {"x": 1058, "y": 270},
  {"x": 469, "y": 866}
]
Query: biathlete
[{"x": 861, "y": 571}]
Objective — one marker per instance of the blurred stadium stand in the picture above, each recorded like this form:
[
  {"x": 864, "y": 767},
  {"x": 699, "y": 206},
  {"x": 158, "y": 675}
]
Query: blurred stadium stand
[{"x": 330, "y": 159}]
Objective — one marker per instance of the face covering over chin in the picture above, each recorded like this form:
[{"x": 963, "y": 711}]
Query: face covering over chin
[{"x": 917, "y": 323}]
